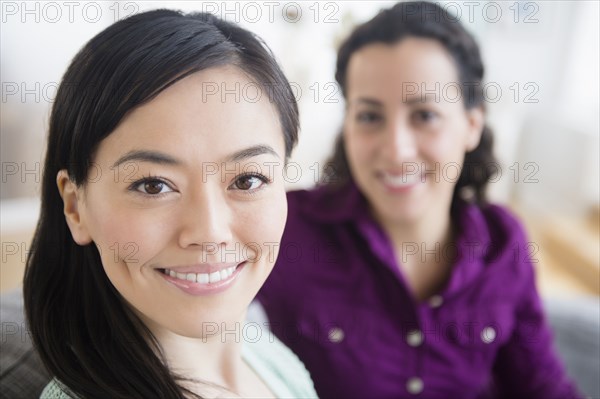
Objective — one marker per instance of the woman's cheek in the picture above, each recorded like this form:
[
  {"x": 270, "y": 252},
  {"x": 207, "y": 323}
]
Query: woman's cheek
[
  {"x": 362, "y": 150},
  {"x": 443, "y": 147},
  {"x": 267, "y": 222},
  {"x": 278, "y": 229},
  {"x": 129, "y": 240},
  {"x": 280, "y": 211}
]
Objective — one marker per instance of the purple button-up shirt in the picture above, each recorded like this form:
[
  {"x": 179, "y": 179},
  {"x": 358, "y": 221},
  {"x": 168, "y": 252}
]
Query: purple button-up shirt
[{"x": 338, "y": 299}]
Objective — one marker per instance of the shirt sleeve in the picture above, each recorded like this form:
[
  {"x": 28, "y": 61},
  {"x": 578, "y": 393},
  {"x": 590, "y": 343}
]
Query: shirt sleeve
[
  {"x": 55, "y": 390},
  {"x": 528, "y": 366}
]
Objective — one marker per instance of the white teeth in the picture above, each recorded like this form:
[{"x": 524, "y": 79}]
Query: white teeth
[
  {"x": 203, "y": 278},
  {"x": 401, "y": 180},
  {"x": 214, "y": 277}
]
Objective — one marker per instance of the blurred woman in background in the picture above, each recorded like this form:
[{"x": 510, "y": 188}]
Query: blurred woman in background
[{"x": 396, "y": 277}]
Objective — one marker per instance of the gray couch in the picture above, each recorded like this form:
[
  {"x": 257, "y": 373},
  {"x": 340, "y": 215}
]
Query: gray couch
[
  {"x": 22, "y": 375},
  {"x": 576, "y": 325}
]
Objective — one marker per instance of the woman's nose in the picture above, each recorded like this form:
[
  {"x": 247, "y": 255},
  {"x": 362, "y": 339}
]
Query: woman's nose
[
  {"x": 400, "y": 144},
  {"x": 206, "y": 221}
]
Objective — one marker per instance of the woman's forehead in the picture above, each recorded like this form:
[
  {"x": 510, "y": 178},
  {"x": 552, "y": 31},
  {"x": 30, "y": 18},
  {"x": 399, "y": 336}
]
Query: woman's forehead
[
  {"x": 208, "y": 114},
  {"x": 400, "y": 67}
]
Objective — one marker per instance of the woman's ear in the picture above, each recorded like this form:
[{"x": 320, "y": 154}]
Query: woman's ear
[
  {"x": 70, "y": 195},
  {"x": 476, "y": 120}
]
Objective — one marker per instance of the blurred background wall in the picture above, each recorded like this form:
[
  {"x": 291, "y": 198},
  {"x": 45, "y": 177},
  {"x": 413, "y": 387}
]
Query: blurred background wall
[{"x": 542, "y": 82}]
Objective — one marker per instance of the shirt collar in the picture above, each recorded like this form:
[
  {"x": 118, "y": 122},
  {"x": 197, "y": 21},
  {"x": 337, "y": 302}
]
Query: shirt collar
[
  {"x": 473, "y": 229},
  {"x": 336, "y": 204},
  {"x": 347, "y": 203},
  {"x": 473, "y": 243}
]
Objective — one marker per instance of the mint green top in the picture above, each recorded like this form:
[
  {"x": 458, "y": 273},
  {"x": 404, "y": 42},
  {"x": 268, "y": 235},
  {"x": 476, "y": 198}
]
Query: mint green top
[{"x": 272, "y": 361}]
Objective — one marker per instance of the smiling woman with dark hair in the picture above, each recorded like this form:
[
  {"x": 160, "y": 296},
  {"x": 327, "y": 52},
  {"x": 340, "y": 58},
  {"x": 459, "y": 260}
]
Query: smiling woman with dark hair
[
  {"x": 404, "y": 281},
  {"x": 145, "y": 260}
]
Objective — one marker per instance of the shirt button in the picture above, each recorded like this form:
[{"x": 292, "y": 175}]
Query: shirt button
[
  {"x": 488, "y": 335},
  {"x": 336, "y": 335},
  {"x": 414, "y": 385},
  {"x": 436, "y": 301},
  {"x": 414, "y": 338}
]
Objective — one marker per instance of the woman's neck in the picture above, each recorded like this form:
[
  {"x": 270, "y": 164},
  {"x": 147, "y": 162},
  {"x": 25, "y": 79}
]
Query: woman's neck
[
  {"x": 430, "y": 232},
  {"x": 420, "y": 249},
  {"x": 214, "y": 361}
]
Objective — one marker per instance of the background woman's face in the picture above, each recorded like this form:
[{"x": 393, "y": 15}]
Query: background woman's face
[
  {"x": 406, "y": 128},
  {"x": 186, "y": 202}
]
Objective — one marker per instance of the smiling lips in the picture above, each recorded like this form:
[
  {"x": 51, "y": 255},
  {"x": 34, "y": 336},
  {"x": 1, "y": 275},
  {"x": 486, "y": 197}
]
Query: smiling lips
[
  {"x": 399, "y": 182},
  {"x": 202, "y": 279}
]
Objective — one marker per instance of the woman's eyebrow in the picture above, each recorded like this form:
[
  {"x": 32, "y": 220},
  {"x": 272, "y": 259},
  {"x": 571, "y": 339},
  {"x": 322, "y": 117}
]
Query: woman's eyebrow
[
  {"x": 164, "y": 159},
  {"x": 368, "y": 101},
  {"x": 251, "y": 152},
  {"x": 422, "y": 99},
  {"x": 146, "y": 156}
]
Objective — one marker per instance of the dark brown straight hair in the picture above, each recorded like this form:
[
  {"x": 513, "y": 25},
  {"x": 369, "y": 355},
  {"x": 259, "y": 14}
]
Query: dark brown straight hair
[{"x": 84, "y": 332}]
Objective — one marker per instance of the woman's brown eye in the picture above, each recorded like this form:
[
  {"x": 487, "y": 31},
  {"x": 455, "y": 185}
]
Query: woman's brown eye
[
  {"x": 426, "y": 116},
  {"x": 153, "y": 187},
  {"x": 244, "y": 183},
  {"x": 249, "y": 183},
  {"x": 368, "y": 117}
]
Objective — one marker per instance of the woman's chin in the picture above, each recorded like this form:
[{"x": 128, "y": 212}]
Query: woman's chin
[{"x": 403, "y": 211}]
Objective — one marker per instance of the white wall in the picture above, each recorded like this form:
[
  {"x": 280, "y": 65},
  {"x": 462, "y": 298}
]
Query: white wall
[{"x": 557, "y": 55}]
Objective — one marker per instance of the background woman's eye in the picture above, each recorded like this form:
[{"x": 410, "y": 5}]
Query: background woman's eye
[
  {"x": 368, "y": 117},
  {"x": 425, "y": 116},
  {"x": 248, "y": 182}
]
